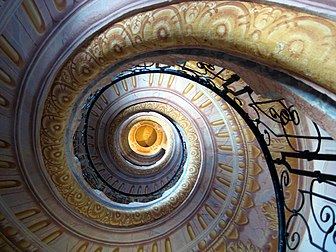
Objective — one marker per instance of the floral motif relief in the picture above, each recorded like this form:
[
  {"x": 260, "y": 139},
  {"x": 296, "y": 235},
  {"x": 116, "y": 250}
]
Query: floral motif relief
[
  {"x": 241, "y": 247},
  {"x": 294, "y": 41},
  {"x": 269, "y": 209},
  {"x": 250, "y": 28}
]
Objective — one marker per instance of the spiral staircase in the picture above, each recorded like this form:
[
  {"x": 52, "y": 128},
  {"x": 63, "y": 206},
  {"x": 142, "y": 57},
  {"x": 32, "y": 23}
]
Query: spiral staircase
[{"x": 167, "y": 126}]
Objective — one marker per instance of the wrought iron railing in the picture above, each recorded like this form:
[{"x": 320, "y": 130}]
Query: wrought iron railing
[
  {"x": 254, "y": 111},
  {"x": 90, "y": 172}
]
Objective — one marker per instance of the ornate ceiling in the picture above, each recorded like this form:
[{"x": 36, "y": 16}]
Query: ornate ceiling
[{"x": 155, "y": 162}]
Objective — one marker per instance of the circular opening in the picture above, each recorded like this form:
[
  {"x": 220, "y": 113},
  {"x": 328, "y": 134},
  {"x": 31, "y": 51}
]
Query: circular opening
[{"x": 145, "y": 136}]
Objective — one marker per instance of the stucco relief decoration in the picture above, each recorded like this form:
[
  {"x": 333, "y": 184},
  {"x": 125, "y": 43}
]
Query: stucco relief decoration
[{"x": 271, "y": 35}]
